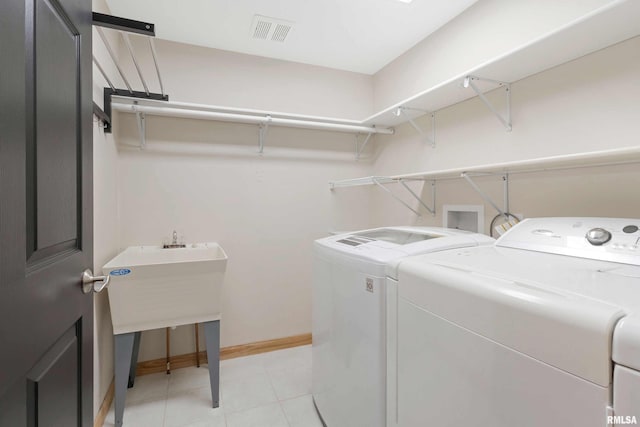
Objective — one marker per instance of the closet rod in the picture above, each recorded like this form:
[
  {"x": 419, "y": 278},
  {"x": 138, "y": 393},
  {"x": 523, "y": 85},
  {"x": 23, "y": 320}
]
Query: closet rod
[{"x": 246, "y": 118}]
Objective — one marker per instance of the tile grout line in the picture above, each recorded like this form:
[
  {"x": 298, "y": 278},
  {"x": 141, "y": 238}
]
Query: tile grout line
[
  {"x": 166, "y": 401},
  {"x": 220, "y": 402},
  {"x": 224, "y": 417},
  {"x": 259, "y": 405},
  {"x": 164, "y": 411},
  {"x": 284, "y": 414},
  {"x": 266, "y": 373},
  {"x": 260, "y": 362}
]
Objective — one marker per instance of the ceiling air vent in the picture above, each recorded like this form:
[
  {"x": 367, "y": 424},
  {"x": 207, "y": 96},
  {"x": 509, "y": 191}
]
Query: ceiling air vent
[{"x": 265, "y": 28}]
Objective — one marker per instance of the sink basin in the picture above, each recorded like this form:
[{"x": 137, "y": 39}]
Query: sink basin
[{"x": 152, "y": 287}]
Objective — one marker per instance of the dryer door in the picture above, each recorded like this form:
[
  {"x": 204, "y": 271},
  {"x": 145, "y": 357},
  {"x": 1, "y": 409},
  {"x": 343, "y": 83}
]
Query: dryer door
[{"x": 449, "y": 376}]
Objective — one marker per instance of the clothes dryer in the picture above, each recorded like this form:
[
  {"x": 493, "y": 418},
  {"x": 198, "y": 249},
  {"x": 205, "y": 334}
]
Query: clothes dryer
[
  {"x": 349, "y": 316},
  {"x": 541, "y": 329}
]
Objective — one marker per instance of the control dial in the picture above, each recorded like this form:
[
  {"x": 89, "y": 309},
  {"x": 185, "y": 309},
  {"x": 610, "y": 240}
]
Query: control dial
[{"x": 598, "y": 236}]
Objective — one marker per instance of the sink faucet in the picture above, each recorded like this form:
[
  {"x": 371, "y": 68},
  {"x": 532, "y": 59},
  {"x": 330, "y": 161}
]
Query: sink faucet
[{"x": 174, "y": 242}]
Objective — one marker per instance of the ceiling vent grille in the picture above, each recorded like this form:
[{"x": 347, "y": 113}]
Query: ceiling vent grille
[
  {"x": 262, "y": 30},
  {"x": 265, "y": 28},
  {"x": 280, "y": 33}
]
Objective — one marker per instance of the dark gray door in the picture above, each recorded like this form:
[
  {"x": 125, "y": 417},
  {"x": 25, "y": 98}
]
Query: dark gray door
[{"x": 46, "y": 322}]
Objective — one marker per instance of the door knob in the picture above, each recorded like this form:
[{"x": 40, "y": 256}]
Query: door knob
[{"x": 89, "y": 282}]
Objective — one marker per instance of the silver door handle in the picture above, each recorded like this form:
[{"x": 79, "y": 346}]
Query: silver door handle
[{"x": 89, "y": 282}]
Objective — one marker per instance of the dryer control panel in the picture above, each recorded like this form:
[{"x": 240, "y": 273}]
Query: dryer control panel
[{"x": 606, "y": 239}]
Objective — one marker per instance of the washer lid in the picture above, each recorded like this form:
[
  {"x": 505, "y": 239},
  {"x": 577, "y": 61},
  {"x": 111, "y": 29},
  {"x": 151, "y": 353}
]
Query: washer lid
[
  {"x": 397, "y": 236},
  {"x": 385, "y": 244}
]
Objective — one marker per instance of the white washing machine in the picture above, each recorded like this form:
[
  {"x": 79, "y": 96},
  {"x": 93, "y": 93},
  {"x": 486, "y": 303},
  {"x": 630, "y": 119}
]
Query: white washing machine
[
  {"x": 349, "y": 316},
  {"x": 538, "y": 330}
]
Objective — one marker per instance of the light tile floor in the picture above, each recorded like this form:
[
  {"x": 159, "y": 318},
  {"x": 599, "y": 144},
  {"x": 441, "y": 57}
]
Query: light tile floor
[{"x": 266, "y": 390}]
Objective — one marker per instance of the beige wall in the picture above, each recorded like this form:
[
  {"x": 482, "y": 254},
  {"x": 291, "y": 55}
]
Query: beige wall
[
  {"x": 207, "y": 181},
  {"x": 218, "y": 77},
  {"x": 586, "y": 105},
  {"x": 105, "y": 225},
  {"x": 485, "y": 31}
]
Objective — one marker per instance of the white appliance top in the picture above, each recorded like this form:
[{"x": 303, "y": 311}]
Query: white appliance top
[
  {"x": 544, "y": 289},
  {"x": 382, "y": 245}
]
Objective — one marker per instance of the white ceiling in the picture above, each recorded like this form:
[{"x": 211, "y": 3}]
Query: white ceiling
[{"x": 354, "y": 35}]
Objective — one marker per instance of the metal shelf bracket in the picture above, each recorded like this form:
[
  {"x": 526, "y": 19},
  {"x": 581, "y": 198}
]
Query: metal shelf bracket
[
  {"x": 431, "y": 139},
  {"x": 376, "y": 180},
  {"x": 142, "y": 129},
  {"x": 262, "y": 134},
  {"x": 486, "y": 198},
  {"x": 124, "y": 27},
  {"x": 432, "y": 209},
  {"x": 101, "y": 115},
  {"x": 505, "y": 120},
  {"x": 360, "y": 149}
]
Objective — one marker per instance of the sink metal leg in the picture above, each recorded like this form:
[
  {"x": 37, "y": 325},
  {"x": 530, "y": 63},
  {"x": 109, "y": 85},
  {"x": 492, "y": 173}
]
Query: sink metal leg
[
  {"x": 124, "y": 351},
  {"x": 134, "y": 358},
  {"x": 212, "y": 342}
]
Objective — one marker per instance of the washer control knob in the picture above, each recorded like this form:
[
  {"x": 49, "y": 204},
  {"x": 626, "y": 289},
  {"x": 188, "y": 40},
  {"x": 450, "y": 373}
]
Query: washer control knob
[{"x": 598, "y": 236}]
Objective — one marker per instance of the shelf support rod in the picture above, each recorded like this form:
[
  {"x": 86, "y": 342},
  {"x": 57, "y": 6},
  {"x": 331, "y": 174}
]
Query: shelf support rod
[
  {"x": 433, "y": 130},
  {"x": 101, "y": 115},
  {"x": 364, "y": 144},
  {"x": 430, "y": 139},
  {"x": 142, "y": 129},
  {"x": 432, "y": 210},
  {"x": 486, "y": 198},
  {"x": 505, "y": 182},
  {"x": 152, "y": 46},
  {"x": 114, "y": 58},
  {"x": 506, "y": 121},
  {"x": 127, "y": 43},
  {"x": 375, "y": 181},
  {"x": 104, "y": 74},
  {"x": 262, "y": 136}
]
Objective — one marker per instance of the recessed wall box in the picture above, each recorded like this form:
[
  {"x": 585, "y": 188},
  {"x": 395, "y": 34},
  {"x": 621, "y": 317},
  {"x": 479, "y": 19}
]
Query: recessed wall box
[{"x": 464, "y": 217}]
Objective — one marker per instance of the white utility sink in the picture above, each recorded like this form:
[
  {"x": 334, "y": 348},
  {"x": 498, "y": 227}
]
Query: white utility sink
[{"x": 152, "y": 287}]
